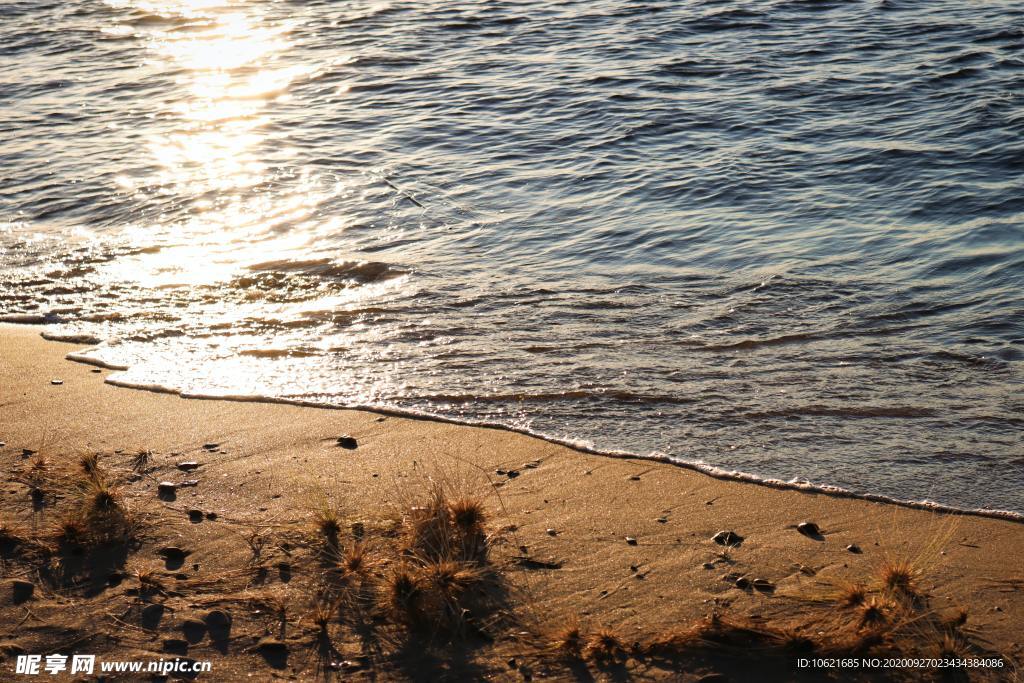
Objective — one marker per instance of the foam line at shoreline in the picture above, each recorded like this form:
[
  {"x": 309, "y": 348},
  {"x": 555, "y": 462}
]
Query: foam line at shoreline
[{"x": 577, "y": 444}]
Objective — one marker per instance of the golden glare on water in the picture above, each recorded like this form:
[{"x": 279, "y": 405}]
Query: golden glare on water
[{"x": 212, "y": 155}]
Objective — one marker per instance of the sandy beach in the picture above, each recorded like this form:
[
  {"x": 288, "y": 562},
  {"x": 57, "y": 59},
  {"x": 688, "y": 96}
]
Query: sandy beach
[{"x": 623, "y": 545}]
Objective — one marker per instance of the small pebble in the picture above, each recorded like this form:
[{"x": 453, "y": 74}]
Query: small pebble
[
  {"x": 188, "y": 465},
  {"x": 512, "y": 474},
  {"x": 348, "y": 442},
  {"x": 175, "y": 645},
  {"x": 166, "y": 487},
  {"x": 854, "y": 548},
  {"x": 21, "y": 590},
  {"x": 743, "y": 582},
  {"x": 551, "y": 532},
  {"x": 532, "y": 465},
  {"x": 151, "y": 613},
  {"x": 635, "y": 477},
  {"x": 630, "y": 540},
  {"x": 764, "y": 585},
  {"x": 195, "y": 515},
  {"x": 211, "y": 446},
  {"x": 56, "y": 382},
  {"x": 172, "y": 553},
  {"x": 96, "y": 371},
  {"x": 217, "y": 619},
  {"x": 708, "y": 565},
  {"x": 808, "y": 529},
  {"x": 211, "y": 516},
  {"x": 271, "y": 646},
  {"x": 662, "y": 520},
  {"x": 730, "y": 538},
  {"x": 193, "y": 627}
]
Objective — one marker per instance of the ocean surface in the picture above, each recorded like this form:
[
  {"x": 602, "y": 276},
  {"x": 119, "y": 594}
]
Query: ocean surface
[{"x": 783, "y": 238}]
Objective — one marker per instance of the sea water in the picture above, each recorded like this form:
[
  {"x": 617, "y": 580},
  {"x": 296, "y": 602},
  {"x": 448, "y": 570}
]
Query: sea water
[{"x": 781, "y": 238}]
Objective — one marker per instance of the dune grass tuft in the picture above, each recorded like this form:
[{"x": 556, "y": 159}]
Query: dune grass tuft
[
  {"x": 71, "y": 531},
  {"x": 89, "y": 464},
  {"x": 604, "y": 645},
  {"x": 402, "y": 594},
  {"x": 328, "y": 522},
  {"x": 569, "y": 640},
  {"x": 150, "y": 582},
  {"x": 468, "y": 514},
  {"x": 875, "y": 612},
  {"x": 323, "y": 613},
  {"x": 900, "y": 577},
  {"x": 852, "y": 595}
]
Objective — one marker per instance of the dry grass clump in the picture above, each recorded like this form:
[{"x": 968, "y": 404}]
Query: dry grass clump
[
  {"x": 89, "y": 463},
  {"x": 604, "y": 646},
  {"x": 442, "y": 530},
  {"x": 852, "y": 595},
  {"x": 569, "y": 640},
  {"x": 328, "y": 523},
  {"x": 355, "y": 560},
  {"x": 323, "y": 614},
  {"x": 39, "y": 471},
  {"x": 443, "y": 583},
  {"x": 875, "y": 612},
  {"x": 446, "y": 592},
  {"x": 900, "y": 577},
  {"x": 97, "y": 514},
  {"x": 140, "y": 460},
  {"x": 880, "y": 623},
  {"x": 402, "y": 594},
  {"x": 150, "y": 582},
  {"x": 70, "y": 532},
  {"x": 100, "y": 496}
]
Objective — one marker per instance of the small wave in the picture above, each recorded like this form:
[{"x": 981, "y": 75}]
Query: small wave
[
  {"x": 577, "y": 394},
  {"x": 26, "y": 318},
  {"x": 797, "y": 338},
  {"x": 846, "y": 411},
  {"x": 84, "y": 358},
  {"x": 72, "y": 338},
  {"x": 278, "y": 353},
  {"x": 362, "y": 271}
]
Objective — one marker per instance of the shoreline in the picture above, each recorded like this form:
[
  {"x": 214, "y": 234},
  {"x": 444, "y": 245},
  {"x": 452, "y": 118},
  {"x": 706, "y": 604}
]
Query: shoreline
[
  {"x": 623, "y": 543},
  {"x": 576, "y": 444}
]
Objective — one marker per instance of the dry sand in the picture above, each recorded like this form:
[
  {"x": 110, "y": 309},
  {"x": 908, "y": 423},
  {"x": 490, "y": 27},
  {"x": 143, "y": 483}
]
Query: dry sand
[{"x": 568, "y": 512}]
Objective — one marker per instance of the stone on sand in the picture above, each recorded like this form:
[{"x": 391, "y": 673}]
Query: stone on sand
[{"x": 727, "y": 538}]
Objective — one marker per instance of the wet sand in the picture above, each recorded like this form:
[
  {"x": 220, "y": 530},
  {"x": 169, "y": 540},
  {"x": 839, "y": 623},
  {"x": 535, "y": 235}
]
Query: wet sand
[{"x": 622, "y": 543}]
